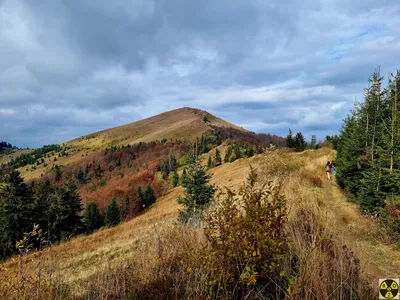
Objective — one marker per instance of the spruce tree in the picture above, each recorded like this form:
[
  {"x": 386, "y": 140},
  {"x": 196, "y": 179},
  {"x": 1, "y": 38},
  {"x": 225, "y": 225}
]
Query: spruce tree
[
  {"x": 209, "y": 162},
  {"x": 174, "y": 178},
  {"x": 80, "y": 177},
  {"x": 41, "y": 193},
  {"x": 15, "y": 212},
  {"x": 218, "y": 159},
  {"x": 183, "y": 177},
  {"x": 69, "y": 219},
  {"x": 237, "y": 152},
  {"x": 148, "y": 197},
  {"x": 112, "y": 216},
  {"x": 299, "y": 142},
  {"x": 290, "y": 140},
  {"x": 172, "y": 163},
  {"x": 140, "y": 192},
  {"x": 197, "y": 194},
  {"x": 91, "y": 217},
  {"x": 228, "y": 154},
  {"x": 313, "y": 142},
  {"x": 368, "y": 146}
]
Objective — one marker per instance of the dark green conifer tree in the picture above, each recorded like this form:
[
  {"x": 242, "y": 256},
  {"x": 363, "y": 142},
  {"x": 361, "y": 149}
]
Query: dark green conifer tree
[
  {"x": 368, "y": 148},
  {"x": 290, "y": 140},
  {"x": 147, "y": 196},
  {"x": 299, "y": 142},
  {"x": 112, "y": 216},
  {"x": 183, "y": 177},
  {"x": 174, "y": 179},
  {"x": 91, "y": 217},
  {"x": 15, "y": 212},
  {"x": 218, "y": 159},
  {"x": 69, "y": 219},
  {"x": 209, "y": 163},
  {"x": 41, "y": 203},
  {"x": 228, "y": 154},
  {"x": 198, "y": 192}
]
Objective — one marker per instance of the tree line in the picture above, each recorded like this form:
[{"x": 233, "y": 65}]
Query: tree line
[
  {"x": 4, "y": 144},
  {"x": 368, "y": 150},
  {"x": 34, "y": 156},
  {"x": 299, "y": 143},
  {"x": 57, "y": 210}
]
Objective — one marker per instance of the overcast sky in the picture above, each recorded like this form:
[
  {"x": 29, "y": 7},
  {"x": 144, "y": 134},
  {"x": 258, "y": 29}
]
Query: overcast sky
[{"x": 69, "y": 68}]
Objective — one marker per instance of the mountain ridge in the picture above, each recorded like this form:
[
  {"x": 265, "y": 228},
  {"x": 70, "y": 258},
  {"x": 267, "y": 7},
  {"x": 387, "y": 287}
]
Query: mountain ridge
[{"x": 185, "y": 122}]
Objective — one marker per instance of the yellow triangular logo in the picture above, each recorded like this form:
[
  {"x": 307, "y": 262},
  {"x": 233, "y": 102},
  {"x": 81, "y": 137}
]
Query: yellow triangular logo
[{"x": 389, "y": 295}]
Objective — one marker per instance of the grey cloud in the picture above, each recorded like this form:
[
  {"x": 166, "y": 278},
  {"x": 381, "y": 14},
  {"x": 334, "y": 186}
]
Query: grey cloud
[{"x": 72, "y": 67}]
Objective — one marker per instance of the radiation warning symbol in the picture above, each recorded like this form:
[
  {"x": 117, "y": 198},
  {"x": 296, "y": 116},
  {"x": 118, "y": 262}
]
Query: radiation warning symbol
[{"x": 388, "y": 288}]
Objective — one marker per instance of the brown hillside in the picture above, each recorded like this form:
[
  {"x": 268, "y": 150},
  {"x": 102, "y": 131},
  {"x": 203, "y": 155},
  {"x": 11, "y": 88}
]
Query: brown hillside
[{"x": 183, "y": 124}]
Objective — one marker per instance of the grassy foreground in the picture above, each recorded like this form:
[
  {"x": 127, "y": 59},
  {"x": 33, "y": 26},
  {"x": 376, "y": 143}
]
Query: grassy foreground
[{"x": 333, "y": 252}]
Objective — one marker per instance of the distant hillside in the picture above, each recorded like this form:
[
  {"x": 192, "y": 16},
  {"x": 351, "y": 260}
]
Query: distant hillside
[
  {"x": 9, "y": 151},
  {"x": 251, "y": 138},
  {"x": 184, "y": 124}
]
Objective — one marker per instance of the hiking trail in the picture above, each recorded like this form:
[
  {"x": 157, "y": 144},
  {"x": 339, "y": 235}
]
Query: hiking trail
[{"x": 381, "y": 259}]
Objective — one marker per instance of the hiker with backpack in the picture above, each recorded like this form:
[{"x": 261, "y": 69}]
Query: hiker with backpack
[
  {"x": 328, "y": 168},
  {"x": 333, "y": 168}
]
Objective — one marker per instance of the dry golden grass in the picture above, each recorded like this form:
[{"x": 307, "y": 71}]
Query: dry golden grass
[
  {"x": 333, "y": 242},
  {"x": 184, "y": 124},
  {"x": 5, "y": 158}
]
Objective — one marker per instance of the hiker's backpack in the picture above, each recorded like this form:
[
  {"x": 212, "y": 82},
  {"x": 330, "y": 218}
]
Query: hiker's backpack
[{"x": 333, "y": 171}]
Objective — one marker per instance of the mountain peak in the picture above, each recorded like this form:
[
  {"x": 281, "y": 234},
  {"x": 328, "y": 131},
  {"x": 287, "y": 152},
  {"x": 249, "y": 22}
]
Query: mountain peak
[{"x": 181, "y": 123}]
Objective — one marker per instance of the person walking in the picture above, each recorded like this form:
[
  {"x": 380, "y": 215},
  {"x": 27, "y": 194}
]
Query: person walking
[
  {"x": 333, "y": 168},
  {"x": 328, "y": 168}
]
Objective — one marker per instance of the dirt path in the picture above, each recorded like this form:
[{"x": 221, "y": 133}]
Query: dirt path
[{"x": 380, "y": 259}]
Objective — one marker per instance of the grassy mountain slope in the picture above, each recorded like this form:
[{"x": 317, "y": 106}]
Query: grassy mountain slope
[
  {"x": 327, "y": 234},
  {"x": 6, "y": 157},
  {"x": 182, "y": 124}
]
